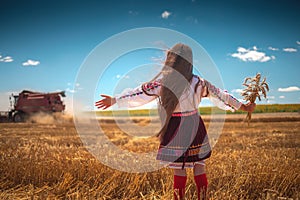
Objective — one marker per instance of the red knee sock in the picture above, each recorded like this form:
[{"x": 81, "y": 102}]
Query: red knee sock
[
  {"x": 201, "y": 183},
  {"x": 179, "y": 187}
]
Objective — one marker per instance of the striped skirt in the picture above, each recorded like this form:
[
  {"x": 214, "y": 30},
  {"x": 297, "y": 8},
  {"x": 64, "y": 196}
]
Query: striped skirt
[{"x": 185, "y": 141}]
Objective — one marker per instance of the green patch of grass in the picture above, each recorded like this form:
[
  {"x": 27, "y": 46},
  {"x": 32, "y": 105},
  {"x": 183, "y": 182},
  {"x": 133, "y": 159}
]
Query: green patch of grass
[{"x": 268, "y": 108}]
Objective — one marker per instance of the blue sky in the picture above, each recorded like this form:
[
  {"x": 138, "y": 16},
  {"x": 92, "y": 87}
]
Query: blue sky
[{"x": 44, "y": 43}]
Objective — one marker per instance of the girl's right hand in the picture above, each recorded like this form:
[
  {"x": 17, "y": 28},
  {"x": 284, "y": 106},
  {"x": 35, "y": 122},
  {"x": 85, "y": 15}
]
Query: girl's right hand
[{"x": 106, "y": 102}]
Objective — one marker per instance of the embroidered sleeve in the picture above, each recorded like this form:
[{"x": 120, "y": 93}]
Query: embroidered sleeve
[
  {"x": 221, "y": 98},
  {"x": 139, "y": 96}
]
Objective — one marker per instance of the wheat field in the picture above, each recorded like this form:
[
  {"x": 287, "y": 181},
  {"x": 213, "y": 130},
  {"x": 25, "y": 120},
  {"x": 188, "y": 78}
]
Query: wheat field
[{"x": 47, "y": 160}]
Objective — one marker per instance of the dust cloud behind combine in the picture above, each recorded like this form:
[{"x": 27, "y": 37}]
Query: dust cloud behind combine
[{"x": 48, "y": 118}]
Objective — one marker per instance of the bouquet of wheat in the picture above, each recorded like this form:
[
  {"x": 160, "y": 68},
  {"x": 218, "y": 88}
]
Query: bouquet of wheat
[{"x": 254, "y": 89}]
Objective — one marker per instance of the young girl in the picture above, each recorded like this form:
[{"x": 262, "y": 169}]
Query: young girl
[{"x": 183, "y": 137}]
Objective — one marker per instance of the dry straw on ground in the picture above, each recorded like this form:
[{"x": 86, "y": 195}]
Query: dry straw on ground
[{"x": 48, "y": 161}]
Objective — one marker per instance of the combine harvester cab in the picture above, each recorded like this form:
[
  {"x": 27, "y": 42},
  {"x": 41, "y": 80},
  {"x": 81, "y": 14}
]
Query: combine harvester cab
[{"x": 28, "y": 103}]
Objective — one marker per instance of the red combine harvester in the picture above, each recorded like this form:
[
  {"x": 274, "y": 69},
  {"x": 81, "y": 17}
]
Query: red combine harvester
[{"x": 28, "y": 103}]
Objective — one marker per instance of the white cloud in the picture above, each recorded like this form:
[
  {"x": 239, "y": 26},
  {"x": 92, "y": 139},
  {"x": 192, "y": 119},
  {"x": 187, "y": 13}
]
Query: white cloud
[
  {"x": 298, "y": 42},
  {"x": 273, "y": 49},
  {"x": 289, "y": 89},
  {"x": 242, "y": 50},
  {"x": 289, "y": 50},
  {"x": 70, "y": 90},
  {"x": 237, "y": 90},
  {"x": 6, "y": 59},
  {"x": 252, "y": 55},
  {"x": 166, "y": 14},
  {"x": 31, "y": 63},
  {"x": 281, "y": 97}
]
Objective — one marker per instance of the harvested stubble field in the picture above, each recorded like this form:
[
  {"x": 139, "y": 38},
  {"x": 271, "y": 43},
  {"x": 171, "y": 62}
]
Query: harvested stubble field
[{"x": 49, "y": 161}]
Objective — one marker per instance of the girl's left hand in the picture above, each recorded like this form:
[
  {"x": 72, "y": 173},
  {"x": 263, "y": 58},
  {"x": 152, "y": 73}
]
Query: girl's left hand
[
  {"x": 106, "y": 102},
  {"x": 249, "y": 107}
]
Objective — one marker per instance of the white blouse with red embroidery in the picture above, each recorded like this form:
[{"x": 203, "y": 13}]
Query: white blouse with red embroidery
[{"x": 188, "y": 101}]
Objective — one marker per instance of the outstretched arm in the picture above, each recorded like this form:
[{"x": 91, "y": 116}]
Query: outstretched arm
[
  {"x": 223, "y": 99},
  {"x": 132, "y": 98},
  {"x": 106, "y": 102}
]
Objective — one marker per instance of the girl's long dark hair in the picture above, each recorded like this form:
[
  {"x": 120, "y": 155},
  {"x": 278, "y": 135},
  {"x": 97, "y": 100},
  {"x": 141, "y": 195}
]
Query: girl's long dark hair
[{"x": 177, "y": 74}]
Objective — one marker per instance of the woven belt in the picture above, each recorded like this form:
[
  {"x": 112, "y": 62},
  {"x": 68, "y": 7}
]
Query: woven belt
[{"x": 184, "y": 114}]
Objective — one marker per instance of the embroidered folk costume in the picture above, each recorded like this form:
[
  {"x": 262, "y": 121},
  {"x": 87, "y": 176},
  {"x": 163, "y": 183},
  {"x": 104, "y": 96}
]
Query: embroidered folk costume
[{"x": 185, "y": 142}]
